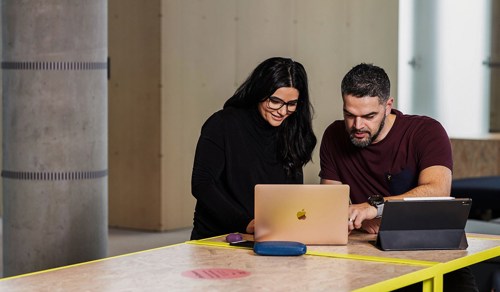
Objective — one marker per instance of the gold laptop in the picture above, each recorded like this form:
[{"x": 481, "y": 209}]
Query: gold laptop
[{"x": 311, "y": 214}]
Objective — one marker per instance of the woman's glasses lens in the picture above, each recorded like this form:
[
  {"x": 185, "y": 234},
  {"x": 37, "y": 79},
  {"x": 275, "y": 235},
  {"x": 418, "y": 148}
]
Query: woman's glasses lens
[{"x": 276, "y": 103}]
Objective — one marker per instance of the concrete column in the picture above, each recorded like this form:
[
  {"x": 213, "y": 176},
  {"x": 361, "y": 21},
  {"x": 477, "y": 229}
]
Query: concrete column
[{"x": 54, "y": 172}]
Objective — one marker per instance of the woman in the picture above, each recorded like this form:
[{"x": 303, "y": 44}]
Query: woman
[{"x": 263, "y": 135}]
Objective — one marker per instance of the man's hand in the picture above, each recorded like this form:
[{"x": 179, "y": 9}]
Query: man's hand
[
  {"x": 359, "y": 213},
  {"x": 371, "y": 226}
]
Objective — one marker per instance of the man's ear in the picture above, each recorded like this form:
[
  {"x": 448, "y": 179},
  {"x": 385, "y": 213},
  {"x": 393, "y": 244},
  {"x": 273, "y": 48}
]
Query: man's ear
[{"x": 388, "y": 105}]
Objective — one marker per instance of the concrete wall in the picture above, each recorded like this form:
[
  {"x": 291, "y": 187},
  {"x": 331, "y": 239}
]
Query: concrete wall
[{"x": 54, "y": 132}]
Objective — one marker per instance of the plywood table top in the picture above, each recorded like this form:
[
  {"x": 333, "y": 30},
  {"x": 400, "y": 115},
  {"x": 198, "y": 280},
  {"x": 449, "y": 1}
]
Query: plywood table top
[
  {"x": 195, "y": 267},
  {"x": 172, "y": 269}
]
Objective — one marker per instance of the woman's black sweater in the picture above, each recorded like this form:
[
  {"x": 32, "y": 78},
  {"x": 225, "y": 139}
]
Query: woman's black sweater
[{"x": 236, "y": 150}]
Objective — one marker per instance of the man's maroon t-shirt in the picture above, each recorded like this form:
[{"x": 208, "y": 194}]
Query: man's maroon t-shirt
[{"x": 389, "y": 167}]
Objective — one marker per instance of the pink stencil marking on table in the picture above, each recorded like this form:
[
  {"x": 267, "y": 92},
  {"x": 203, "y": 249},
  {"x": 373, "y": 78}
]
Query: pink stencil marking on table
[{"x": 215, "y": 273}]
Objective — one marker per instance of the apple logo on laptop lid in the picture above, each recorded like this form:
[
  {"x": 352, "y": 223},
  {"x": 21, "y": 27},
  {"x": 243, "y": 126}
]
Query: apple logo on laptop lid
[{"x": 301, "y": 215}]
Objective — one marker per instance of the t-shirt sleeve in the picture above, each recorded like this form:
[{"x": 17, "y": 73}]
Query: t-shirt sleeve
[
  {"x": 433, "y": 146},
  {"x": 327, "y": 155}
]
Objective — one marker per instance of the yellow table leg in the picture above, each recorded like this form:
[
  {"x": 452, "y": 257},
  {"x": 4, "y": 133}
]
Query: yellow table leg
[{"x": 433, "y": 284}]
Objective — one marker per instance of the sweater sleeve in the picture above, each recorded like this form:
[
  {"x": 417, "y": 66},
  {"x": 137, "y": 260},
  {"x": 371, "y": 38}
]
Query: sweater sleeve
[{"x": 219, "y": 207}]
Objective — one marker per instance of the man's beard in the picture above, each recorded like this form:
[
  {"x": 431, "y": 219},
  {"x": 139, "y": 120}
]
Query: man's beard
[{"x": 365, "y": 142}]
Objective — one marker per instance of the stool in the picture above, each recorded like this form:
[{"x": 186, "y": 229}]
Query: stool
[{"x": 485, "y": 195}]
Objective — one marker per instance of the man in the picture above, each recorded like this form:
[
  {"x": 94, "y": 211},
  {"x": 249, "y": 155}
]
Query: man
[
  {"x": 379, "y": 152},
  {"x": 383, "y": 154}
]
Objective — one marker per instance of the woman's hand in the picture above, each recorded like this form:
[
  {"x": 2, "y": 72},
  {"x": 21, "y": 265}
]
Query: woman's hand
[{"x": 251, "y": 227}]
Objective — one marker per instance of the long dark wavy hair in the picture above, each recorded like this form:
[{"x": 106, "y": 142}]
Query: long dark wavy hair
[{"x": 296, "y": 139}]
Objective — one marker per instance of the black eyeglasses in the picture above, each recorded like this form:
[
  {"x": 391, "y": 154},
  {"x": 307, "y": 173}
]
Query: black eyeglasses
[{"x": 276, "y": 103}]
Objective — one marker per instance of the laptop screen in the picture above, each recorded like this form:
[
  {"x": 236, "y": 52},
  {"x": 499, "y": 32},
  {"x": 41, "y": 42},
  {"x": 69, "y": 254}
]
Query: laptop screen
[{"x": 310, "y": 214}]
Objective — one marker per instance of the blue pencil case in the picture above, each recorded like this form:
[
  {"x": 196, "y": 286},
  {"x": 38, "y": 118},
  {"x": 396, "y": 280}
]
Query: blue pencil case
[{"x": 279, "y": 248}]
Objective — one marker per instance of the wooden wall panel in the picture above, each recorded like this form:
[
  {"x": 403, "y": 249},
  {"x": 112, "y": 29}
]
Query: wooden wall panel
[
  {"x": 198, "y": 72},
  {"x": 175, "y": 62},
  {"x": 134, "y": 114},
  {"x": 210, "y": 47},
  {"x": 476, "y": 157},
  {"x": 334, "y": 36}
]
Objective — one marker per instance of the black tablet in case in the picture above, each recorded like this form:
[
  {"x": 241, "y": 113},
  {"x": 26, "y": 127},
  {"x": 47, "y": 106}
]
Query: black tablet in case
[{"x": 424, "y": 224}]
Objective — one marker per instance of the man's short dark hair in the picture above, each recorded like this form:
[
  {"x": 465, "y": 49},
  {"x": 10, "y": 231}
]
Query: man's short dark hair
[{"x": 366, "y": 80}]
